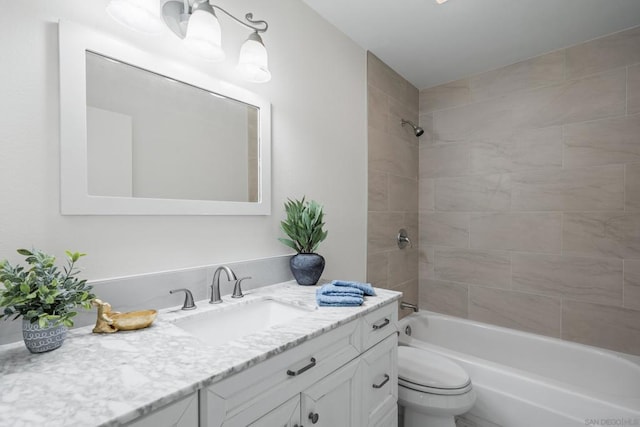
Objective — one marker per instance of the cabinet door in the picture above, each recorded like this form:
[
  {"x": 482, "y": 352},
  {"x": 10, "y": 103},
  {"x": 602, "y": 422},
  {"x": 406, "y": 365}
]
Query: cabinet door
[
  {"x": 335, "y": 400},
  {"x": 380, "y": 380},
  {"x": 183, "y": 413},
  {"x": 285, "y": 415}
]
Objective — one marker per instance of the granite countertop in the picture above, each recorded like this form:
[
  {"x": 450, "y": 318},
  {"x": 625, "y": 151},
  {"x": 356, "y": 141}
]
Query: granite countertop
[{"x": 108, "y": 380}]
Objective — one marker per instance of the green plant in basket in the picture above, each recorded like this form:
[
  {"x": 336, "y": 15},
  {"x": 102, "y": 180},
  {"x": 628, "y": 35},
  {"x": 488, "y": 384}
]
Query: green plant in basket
[
  {"x": 41, "y": 292},
  {"x": 304, "y": 225}
]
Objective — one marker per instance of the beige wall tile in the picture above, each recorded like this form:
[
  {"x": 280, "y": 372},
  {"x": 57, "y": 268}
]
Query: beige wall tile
[
  {"x": 448, "y": 95},
  {"x": 599, "y": 96},
  {"x": 597, "y": 188},
  {"x": 482, "y": 120},
  {"x": 633, "y": 89},
  {"x": 507, "y": 145},
  {"x": 601, "y": 325},
  {"x": 473, "y": 266},
  {"x": 632, "y": 186},
  {"x": 403, "y": 266},
  {"x": 517, "y": 310},
  {"x": 378, "y": 191},
  {"x": 596, "y": 280},
  {"x": 392, "y": 155},
  {"x": 446, "y": 229},
  {"x": 524, "y": 150},
  {"x": 448, "y": 160},
  {"x": 427, "y": 195},
  {"x": 491, "y": 156},
  {"x": 537, "y": 148},
  {"x": 426, "y": 122},
  {"x": 397, "y": 112},
  {"x": 614, "y": 140},
  {"x": 411, "y": 223},
  {"x": 605, "y": 53},
  {"x": 386, "y": 79},
  {"x": 531, "y": 232},
  {"x": 602, "y": 234},
  {"x": 378, "y": 109},
  {"x": 393, "y": 180},
  {"x": 383, "y": 77},
  {"x": 383, "y": 230},
  {"x": 540, "y": 71},
  {"x": 378, "y": 269},
  {"x": 474, "y": 193},
  {"x": 632, "y": 284},
  {"x": 425, "y": 263},
  {"x": 403, "y": 194},
  {"x": 444, "y": 297}
]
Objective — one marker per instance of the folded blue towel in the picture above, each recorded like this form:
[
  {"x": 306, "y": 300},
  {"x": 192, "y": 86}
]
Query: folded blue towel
[
  {"x": 330, "y": 289},
  {"x": 337, "y": 300},
  {"x": 364, "y": 287}
]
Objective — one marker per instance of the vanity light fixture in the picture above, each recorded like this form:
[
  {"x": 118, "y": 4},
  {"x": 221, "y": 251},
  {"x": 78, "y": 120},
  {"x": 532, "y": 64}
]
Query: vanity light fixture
[{"x": 196, "y": 22}]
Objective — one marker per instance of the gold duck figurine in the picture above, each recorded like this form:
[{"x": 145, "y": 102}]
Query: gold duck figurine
[{"x": 113, "y": 321}]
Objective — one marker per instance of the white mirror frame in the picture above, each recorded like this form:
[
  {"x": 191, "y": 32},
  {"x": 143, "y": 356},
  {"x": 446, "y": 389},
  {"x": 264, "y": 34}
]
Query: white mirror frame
[{"x": 74, "y": 41}]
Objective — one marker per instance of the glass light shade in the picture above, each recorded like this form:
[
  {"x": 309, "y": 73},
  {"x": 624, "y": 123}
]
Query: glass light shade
[
  {"x": 204, "y": 37},
  {"x": 138, "y": 15},
  {"x": 253, "y": 61}
]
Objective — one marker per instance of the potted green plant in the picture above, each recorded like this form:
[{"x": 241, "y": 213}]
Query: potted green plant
[
  {"x": 44, "y": 296},
  {"x": 304, "y": 226}
]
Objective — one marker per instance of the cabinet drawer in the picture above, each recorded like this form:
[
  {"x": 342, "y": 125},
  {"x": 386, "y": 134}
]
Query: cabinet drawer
[
  {"x": 378, "y": 325},
  {"x": 274, "y": 381},
  {"x": 183, "y": 413},
  {"x": 380, "y": 380}
]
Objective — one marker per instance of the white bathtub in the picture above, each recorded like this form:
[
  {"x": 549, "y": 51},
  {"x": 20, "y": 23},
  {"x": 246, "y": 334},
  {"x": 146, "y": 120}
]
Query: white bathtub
[{"x": 524, "y": 379}]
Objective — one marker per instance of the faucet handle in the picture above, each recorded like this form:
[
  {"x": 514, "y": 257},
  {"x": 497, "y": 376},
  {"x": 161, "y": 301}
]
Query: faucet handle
[
  {"x": 188, "y": 298},
  {"x": 237, "y": 290}
]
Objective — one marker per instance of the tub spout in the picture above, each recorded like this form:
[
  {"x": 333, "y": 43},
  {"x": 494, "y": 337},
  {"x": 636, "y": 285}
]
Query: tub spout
[{"x": 408, "y": 306}]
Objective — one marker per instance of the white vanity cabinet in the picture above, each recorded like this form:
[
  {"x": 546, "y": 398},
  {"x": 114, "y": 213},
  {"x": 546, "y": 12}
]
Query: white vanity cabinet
[
  {"x": 346, "y": 377},
  {"x": 182, "y": 413}
]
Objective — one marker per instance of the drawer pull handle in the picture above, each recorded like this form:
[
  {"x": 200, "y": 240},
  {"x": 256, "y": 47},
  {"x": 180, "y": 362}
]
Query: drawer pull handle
[
  {"x": 381, "y": 323},
  {"x": 314, "y": 417},
  {"x": 306, "y": 367},
  {"x": 386, "y": 380}
]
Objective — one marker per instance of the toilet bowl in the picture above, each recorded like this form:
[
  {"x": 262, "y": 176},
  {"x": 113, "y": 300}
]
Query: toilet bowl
[{"x": 431, "y": 388}]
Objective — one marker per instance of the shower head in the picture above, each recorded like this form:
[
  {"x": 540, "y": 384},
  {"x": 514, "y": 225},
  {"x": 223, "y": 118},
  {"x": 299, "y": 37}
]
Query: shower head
[{"x": 416, "y": 129}]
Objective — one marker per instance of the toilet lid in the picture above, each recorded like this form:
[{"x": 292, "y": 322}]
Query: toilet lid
[{"x": 427, "y": 369}]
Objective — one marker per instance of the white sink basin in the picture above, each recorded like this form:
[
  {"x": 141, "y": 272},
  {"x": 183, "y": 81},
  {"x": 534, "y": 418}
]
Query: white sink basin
[{"x": 227, "y": 324}]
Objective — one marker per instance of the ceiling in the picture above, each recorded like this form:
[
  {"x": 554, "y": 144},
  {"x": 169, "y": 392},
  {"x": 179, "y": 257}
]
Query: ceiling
[{"x": 431, "y": 44}]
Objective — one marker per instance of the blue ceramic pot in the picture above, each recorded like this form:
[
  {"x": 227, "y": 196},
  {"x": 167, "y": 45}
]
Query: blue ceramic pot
[
  {"x": 307, "y": 268},
  {"x": 39, "y": 340}
]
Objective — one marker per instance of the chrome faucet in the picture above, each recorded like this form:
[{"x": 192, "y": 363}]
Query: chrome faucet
[
  {"x": 188, "y": 298},
  {"x": 215, "y": 283},
  {"x": 406, "y": 305}
]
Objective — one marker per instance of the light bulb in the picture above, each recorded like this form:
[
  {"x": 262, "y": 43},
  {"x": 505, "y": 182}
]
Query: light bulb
[
  {"x": 204, "y": 36},
  {"x": 253, "y": 60}
]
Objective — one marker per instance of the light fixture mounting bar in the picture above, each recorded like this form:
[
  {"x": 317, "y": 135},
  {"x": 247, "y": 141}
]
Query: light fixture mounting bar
[
  {"x": 258, "y": 26},
  {"x": 175, "y": 13}
]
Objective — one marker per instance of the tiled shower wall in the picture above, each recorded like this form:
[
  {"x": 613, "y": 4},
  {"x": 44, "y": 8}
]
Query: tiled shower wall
[
  {"x": 393, "y": 180},
  {"x": 530, "y": 195}
]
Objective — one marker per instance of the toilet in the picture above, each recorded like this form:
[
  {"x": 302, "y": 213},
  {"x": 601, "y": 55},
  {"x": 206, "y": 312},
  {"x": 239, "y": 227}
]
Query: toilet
[{"x": 431, "y": 388}]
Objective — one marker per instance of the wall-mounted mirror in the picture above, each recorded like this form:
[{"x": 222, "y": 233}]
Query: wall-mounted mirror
[{"x": 142, "y": 135}]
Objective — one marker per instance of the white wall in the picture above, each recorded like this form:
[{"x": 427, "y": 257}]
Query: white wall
[{"x": 318, "y": 96}]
